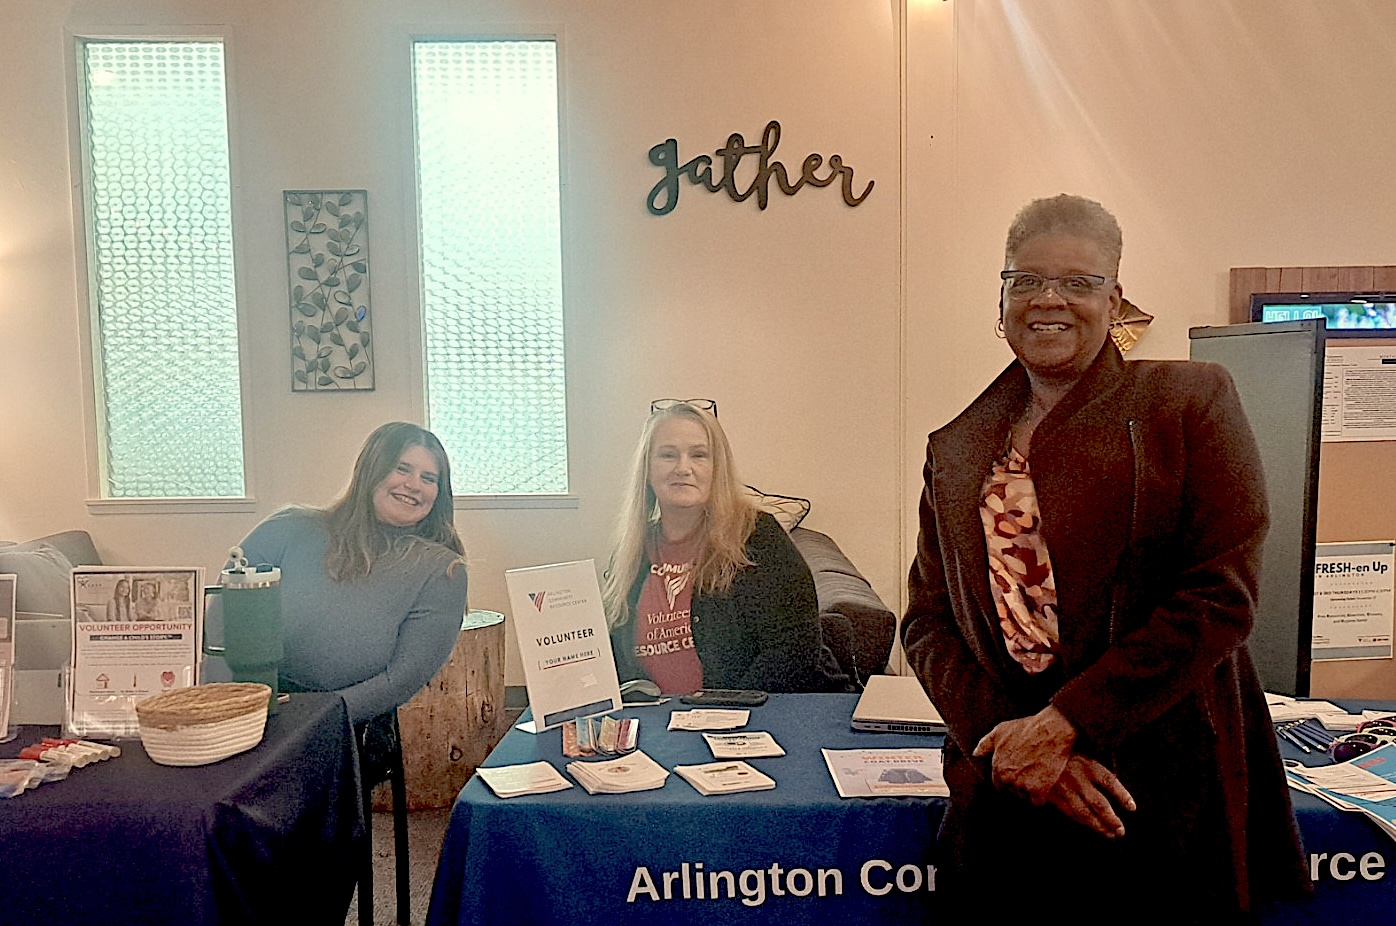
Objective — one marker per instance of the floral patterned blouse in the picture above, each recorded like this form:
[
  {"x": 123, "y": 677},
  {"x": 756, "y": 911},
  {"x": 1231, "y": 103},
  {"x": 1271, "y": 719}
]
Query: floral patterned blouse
[{"x": 1020, "y": 571}]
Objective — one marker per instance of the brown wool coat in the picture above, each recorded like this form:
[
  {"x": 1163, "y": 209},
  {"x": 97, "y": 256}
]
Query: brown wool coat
[{"x": 1154, "y": 512}]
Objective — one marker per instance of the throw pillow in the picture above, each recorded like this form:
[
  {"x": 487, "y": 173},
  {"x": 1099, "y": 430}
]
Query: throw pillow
[
  {"x": 788, "y": 510},
  {"x": 42, "y": 584}
]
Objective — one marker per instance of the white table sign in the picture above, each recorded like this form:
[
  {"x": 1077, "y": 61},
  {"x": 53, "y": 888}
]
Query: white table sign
[
  {"x": 560, "y": 625},
  {"x": 1353, "y": 585},
  {"x": 137, "y": 632},
  {"x": 7, "y": 651}
]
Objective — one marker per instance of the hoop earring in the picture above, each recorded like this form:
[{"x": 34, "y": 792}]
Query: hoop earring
[{"x": 998, "y": 330}]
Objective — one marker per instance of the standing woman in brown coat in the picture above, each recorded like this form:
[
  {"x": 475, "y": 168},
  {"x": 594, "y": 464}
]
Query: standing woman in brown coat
[{"x": 1084, "y": 584}]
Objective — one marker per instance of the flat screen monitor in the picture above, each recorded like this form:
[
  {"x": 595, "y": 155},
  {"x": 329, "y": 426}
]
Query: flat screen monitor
[
  {"x": 1285, "y": 412},
  {"x": 1348, "y": 315}
]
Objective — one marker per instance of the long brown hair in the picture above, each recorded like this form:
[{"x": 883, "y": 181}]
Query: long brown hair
[
  {"x": 729, "y": 518},
  {"x": 356, "y": 537}
]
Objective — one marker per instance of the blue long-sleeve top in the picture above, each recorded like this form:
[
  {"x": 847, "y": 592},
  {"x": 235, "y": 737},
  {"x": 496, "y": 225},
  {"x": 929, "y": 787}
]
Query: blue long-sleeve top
[{"x": 375, "y": 640}]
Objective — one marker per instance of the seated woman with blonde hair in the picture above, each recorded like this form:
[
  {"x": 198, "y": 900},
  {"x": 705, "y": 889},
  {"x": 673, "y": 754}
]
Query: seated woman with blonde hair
[{"x": 703, "y": 590}]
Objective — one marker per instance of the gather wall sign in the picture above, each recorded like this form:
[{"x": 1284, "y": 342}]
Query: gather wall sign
[{"x": 664, "y": 196}]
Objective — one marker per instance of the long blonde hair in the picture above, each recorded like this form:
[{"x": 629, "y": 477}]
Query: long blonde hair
[
  {"x": 356, "y": 536},
  {"x": 728, "y": 518}
]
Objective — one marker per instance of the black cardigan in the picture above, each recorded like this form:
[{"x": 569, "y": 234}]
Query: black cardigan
[{"x": 762, "y": 633}]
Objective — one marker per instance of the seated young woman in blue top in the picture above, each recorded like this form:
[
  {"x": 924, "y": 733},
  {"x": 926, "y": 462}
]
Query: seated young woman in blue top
[
  {"x": 373, "y": 587},
  {"x": 704, "y": 591}
]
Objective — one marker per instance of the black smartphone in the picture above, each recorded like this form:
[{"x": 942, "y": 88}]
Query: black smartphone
[{"x": 726, "y": 697}]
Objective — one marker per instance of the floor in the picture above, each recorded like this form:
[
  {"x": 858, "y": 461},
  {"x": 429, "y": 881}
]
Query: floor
[{"x": 425, "y": 829}]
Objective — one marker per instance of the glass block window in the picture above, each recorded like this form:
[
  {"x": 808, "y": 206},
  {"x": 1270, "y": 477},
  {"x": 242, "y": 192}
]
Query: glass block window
[
  {"x": 158, "y": 196},
  {"x": 491, "y": 265}
]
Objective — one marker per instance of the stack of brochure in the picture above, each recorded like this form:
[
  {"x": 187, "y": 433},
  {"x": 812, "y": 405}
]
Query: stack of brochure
[
  {"x": 1366, "y": 785},
  {"x": 1283, "y": 708},
  {"x": 754, "y": 745},
  {"x": 512, "y": 780},
  {"x": 724, "y": 778},
  {"x": 635, "y": 772}
]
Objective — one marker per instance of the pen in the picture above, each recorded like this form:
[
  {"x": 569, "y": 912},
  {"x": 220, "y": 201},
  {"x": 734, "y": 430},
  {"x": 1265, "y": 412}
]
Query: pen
[
  {"x": 1310, "y": 735},
  {"x": 1284, "y": 731},
  {"x": 1306, "y": 732}
]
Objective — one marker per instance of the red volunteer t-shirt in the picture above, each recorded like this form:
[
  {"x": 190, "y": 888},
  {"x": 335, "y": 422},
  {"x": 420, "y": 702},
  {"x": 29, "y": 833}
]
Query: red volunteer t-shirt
[{"x": 663, "y": 620}]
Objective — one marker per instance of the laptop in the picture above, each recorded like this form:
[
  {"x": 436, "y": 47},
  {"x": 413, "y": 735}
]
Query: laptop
[{"x": 896, "y": 704}]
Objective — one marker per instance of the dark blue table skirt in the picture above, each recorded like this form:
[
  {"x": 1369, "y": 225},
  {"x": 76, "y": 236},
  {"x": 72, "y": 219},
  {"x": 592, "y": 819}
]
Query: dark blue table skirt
[
  {"x": 1352, "y": 861},
  {"x": 273, "y": 835},
  {"x": 578, "y": 858}
]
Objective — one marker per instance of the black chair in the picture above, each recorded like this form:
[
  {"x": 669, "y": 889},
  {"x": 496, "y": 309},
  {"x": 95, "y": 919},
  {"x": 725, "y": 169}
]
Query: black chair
[{"x": 380, "y": 759}]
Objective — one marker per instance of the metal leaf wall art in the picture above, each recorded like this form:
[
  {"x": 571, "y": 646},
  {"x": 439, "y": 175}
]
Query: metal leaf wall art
[{"x": 328, "y": 264}]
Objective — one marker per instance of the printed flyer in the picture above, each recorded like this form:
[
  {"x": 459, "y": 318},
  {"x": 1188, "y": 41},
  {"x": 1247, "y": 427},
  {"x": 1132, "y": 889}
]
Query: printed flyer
[
  {"x": 136, "y": 633},
  {"x": 887, "y": 772},
  {"x": 1353, "y": 585},
  {"x": 566, "y": 648}
]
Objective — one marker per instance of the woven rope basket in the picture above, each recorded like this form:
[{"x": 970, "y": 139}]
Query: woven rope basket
[{"x": 202, "y": 704}]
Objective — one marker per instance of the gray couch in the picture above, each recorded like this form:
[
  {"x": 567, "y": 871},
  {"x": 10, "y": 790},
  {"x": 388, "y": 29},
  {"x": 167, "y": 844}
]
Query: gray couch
[
  {"x": 858, "y": 627},
  {"x": 43, "y": 585}
]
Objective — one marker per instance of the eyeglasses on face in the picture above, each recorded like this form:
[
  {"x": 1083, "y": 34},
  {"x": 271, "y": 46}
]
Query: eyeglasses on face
[
  {"x": 707, "y": 405},
  {"x": 1022, "y": 285}
]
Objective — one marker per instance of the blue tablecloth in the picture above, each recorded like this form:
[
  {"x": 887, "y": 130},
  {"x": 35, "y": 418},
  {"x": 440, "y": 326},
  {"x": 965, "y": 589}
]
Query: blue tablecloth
[
  {"x": 273, "y": 835},
  {"x": 578, "y": 858},
  {"x": 1352, "y": 862}
]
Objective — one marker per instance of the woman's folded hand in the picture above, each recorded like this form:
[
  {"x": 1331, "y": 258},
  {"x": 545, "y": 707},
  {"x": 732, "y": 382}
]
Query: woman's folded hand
[
  {"x": 1030, "y": 753},
  {"x": 1088, "y": 793}
]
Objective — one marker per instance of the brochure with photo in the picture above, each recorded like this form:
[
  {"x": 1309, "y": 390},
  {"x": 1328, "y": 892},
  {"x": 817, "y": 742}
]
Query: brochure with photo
[
  {"x": 635, "y": 772},
  {"x": 887, "y": 772},
  {"x": 137, "y": 632}
]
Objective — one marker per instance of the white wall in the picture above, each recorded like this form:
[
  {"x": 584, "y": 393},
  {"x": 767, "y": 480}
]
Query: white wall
[
  {"x": 1221, "y": 133},
  {"x": 788, "y": 317}
]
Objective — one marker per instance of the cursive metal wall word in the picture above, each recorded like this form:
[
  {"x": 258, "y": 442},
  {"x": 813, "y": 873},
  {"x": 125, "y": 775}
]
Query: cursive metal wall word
[{"x": 665, "y": 194}]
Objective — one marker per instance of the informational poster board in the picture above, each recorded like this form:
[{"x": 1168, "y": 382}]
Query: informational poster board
[
  {"x": 1353, "y": 587},
  {"x": 560, "y": 624},
  {"x": 136, "y": 633},
  {"x": 1278, "y": 371}
]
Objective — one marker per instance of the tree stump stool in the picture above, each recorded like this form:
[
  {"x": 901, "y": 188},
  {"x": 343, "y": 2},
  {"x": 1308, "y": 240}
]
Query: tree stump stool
[{"x": 452, "y": 724}]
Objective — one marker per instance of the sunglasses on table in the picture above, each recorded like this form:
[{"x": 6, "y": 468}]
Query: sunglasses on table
[{"x": 1370, "y": 735}]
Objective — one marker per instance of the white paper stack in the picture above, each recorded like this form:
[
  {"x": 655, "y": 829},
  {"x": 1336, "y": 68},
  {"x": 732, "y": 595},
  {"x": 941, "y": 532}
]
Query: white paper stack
[
  {"x": 709, "y": 718},
  {"x": 512, "y": 780},
  {"x": 1284, "y": 708},
  {"x": 754, "y": 745},
  {"x": 724, "y": 778},
  {"x": 635, "y": 772}
]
